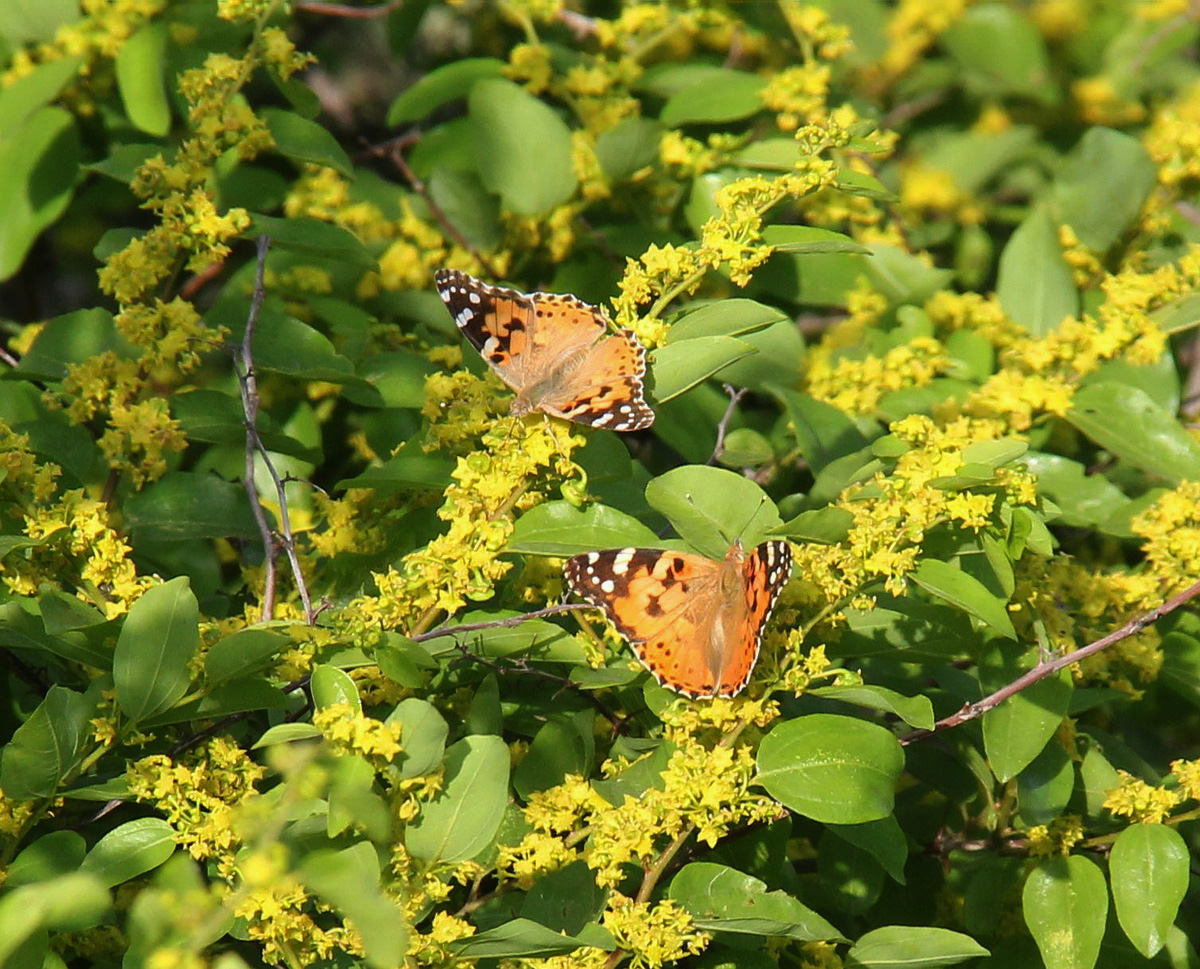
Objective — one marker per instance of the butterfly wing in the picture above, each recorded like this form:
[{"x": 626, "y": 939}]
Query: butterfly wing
[
  {"x": 603, "y": 387},
  {"x": 519, "y": 335},
  {"x": 694, "y": 623}
]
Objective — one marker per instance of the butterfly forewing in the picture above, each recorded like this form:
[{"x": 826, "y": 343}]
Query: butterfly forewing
[
  {"x": 695, "y": 623},
  {"x": 553, "y": 351}
]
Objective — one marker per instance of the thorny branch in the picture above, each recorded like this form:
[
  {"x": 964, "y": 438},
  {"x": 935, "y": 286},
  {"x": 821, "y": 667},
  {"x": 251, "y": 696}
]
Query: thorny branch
[
  {"x": 972, "y": 711},
  {"x": 248, "y": 385}
]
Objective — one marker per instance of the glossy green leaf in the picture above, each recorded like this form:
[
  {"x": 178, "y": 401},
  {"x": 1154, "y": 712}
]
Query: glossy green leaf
[
  {"x": 559, "y": 528},
  {"x": 833, "y": 769},
  {"x": 778, "y": 358},
  {"x": 184, "y": 505},
  {"x": 964, "y": 591},
  {"x": 536, "y": 638},
  {"x": 556, "y": 751},
  {"x": 1044, "y": 787},
  {"x": 629, "y": 146},
  {"x": 1016, "y": 731},
  {"x": 40, "y": 161},
  {"x": 914, "y": 710},
  {"x": 1125, "y": 421},
  {"x": 724, "y": 899},
  {"x": 727, "y": 317},
  {"x": 1035, "y": 285},
  {"x": 1086, "y": 500},
  {"x": 1083, "y": 194},
  {"x": 331, "y": 686},
  {"x": 1150, "y": 868},
  {"x": 462, "y": 821},
  {"x": 348, "y": 880},
  {"x": 1065, "y": 901},
  {"x": 51, "y": 855},
  {"x": 62, "y": 613},
  {"x": 70, "y": 903},
  {"x": 156, "y": 645},
  {"x": 525, "y": 938},
  {"x": 678, "y": 367},
  {"x": 851, "y": 879},
  {"x": 142, "y": 81},
  {"x": 47, "y": 746},
  {"x": 711, "y": 508},
  {"x": 883, "y": 840},
  {"x": 445, "y": 83},
  {"x": 724, "y": 95},
  {"x": 518, "y": 134},
  {"x": 35, "y": 90},
  {"x": 423, "y": 733},
  {"x": 244, "y": 652},
  {"x": 306, "y": 141},
  {"x": 129, "y": 850},
  {"x": 209, "y": 415},
  {"x": 912, "y": 947},
  {"x": 809, "y": 239},
  {"x": 823, "y": 432},
  {"x": 310, "y": 237},
  {"x": 467, "y": 205},
  {"x": 1000, "y": 51},
  {"x": 72, "y": 338},
  {"x": 286, "y": 733}
]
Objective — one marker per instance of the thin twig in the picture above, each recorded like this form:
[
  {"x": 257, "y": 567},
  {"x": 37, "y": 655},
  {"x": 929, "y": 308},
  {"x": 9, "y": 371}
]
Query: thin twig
[
  {"x": 248, "y": 385},
  {"x": 393, "y": 151},
  {"x": 471, "y": 627},
  {"x": 723, "y": 425},
  {"x": 353, "y": 13},
  {"x": 8, "y": 357},
  {"x": 972, "y": 711}
]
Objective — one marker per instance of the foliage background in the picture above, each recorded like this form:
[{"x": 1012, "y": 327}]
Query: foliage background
[{"x": 946, "y": 249}]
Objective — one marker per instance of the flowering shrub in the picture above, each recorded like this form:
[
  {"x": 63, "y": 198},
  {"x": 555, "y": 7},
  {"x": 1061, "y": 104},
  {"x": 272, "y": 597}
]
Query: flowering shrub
[{"x": 288, "y": 679}]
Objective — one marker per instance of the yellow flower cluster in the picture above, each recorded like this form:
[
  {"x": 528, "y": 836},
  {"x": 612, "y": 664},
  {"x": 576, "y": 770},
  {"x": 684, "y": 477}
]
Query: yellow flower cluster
[
  {"x": 1173, "y": 138},
  {"x": 349, "y": 732},
  {"x": 14, "y": 815},
  {"x": 1100, "y": 102},
  {"x": 1142, "y": 803},
  {"x": 1056, "y": 838},
  {"x": 892, "y": 512},
  {"x": 949, "y": 312},
  {"x": 464, "y": 563},
  {"x": 26, "y": 476},
  {"x": 81, "y": 548},
  {"x": 652, "y": 933},
  {"x": 927, "y": 192},
  {"x": 914, "y": 26},
  {"x": 198, "y": 795},
  {"x": 1171, "y": 531},
  {"x": 856, "y": 385}
]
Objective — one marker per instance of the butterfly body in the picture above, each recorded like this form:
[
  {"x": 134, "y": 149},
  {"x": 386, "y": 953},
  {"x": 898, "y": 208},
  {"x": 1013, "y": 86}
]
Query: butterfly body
[
  {"x": 695, "y": 623},
  {"x": 554, "y": 350}
]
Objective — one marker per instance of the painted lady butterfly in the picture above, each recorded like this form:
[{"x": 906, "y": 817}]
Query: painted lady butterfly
[
  {"x": 553, "y": 351},
  {"x": 694, "y": 622}
]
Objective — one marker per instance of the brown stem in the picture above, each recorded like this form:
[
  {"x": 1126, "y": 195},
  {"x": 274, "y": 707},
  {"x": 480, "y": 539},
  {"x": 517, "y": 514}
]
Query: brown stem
[
  {"x": 352, "y": 13},
  {"x": 972, "y": 711}
]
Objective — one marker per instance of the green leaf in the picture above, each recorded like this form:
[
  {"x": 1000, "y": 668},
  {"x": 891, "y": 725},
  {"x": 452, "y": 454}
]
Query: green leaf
[
  {"x": 916, "y": 711},
  {"x": 1015, "y": 732},
  {"x": 286, "y": 733},
  {"x": 349, "y": 881},
  {"x": 809, "y": 239},
  {"x": 246, "y": 651},
  {"x": 405, "y": 471},
  {"x": 1083, "y": 194},
  {"x": 836, "y": 770},
  {"x": 311, "y": 237},
  {"x": 964, "y": 591},
  {"x": 306, "y": 141},
  {"x": 724, "y": 899},
  {"x": 40, "y": 162},
  {"x": 710, "y": 508},
  {"x": 467, "y": 205},
  {"x": 129, "y": 850},
  {"x": 1044, "y": 787},
  {"x": 462, "y": 821},
  {"x": 184, "y": 505},
  {"x": 627, "y": 147},
  {"x": 72, "y": 338},
  {"x": 71, "y": 903},
  {"x": 1149, "y": 868},
  {"x": 560, "y": 529},
  {"x": 34, "y": 91},
  {"x": 721, "y": 95},
  {"x": 445, "y": 83},
  {"x": 1127, "y": 422},
  {"x": 51, "y": 855},
  {"x": 1035, "y": 286},
  {"x": 519, "y": 135},
  {"x": 556, "y": 751},
  {"x": 678, "y": 367},
  {"x": 912, "y": 947},
  {"x": 566, "y": 899},
  {"x": 157, "y": 642},
  {"x": 1065, "y": 901},
  {"x": 141, "y": 79},
  {"x": 47, "y": 746},
  {"x": 62, "y": 613},
  {"x": 537, "y": 638},
  {"x": 883, "y": 840},
  {"x": 1087, "y": 500},
  {"x": 823, "y": 432},
  {"x": 423, "y": 735},
  {"x": 331, "y": 686},
  {"x": 726, "y": 317},
  {"x": 1000, "y": 51},
  {"x": 524, "y": 938}
]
